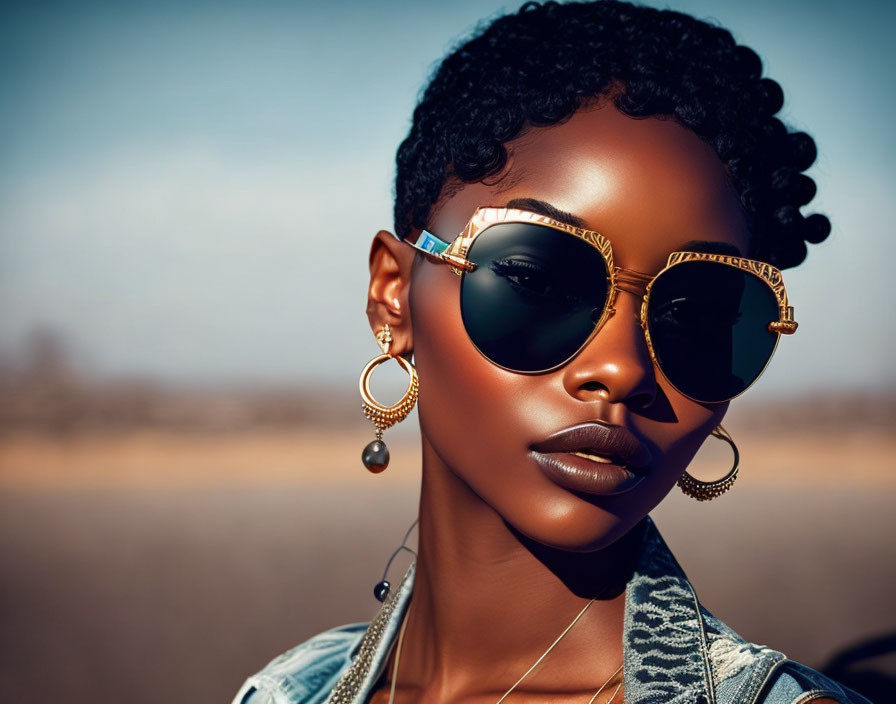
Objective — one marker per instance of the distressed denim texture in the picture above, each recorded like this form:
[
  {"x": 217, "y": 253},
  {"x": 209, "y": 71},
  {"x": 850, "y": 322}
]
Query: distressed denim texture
[{"x": 674, "y": 652}]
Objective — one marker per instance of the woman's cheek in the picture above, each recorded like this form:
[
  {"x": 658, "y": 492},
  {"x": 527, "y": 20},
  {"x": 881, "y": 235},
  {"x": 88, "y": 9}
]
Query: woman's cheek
[
  {"x": 677, "y": 443},
  {"x": 454, "y": 400}
]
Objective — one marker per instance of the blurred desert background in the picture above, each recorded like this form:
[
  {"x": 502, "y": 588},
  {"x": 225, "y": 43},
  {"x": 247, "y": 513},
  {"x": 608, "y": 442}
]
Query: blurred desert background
[
  {"x": 161, "y": 543},
  {"x": 187, "y": 196}
]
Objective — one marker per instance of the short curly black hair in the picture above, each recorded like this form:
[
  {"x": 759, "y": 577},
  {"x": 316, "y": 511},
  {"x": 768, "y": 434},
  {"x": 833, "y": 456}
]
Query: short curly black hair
[{"x": 535, "y": 67}]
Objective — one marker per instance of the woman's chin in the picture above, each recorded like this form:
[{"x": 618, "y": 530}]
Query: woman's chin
[{"x": 579, "y": 531}]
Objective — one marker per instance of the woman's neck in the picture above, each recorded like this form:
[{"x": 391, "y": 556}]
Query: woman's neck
[{"x": 488, "y": 602}]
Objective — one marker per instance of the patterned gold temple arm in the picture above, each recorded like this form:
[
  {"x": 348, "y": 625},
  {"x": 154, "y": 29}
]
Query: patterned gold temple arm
[{"x": 432, "y": 245}]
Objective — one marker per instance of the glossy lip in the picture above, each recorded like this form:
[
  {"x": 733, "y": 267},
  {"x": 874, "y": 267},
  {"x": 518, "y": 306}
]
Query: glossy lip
[{"x": 594, "y": 458}]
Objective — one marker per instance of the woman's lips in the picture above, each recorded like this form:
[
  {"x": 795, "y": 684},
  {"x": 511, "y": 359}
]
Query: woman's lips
[
  {"x": 580, "y": 474},
  {"x": 594, "y": 458}
]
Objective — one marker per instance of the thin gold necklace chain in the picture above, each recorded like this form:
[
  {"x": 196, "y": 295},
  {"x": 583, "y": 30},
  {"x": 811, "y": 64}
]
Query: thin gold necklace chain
[{"x": 525, "y": 674}]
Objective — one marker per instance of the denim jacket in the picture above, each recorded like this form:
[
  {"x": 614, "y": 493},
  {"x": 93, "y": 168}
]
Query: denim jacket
[{"x": 674, "y": 652}]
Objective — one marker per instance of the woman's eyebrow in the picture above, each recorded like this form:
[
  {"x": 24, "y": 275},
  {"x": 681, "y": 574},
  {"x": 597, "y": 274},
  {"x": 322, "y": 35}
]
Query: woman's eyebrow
[{"x": 544, "y": 208}]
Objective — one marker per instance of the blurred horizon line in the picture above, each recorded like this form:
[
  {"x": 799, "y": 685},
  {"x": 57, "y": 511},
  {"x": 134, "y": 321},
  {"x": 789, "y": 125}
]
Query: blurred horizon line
[{"x": 46, "y": 391}]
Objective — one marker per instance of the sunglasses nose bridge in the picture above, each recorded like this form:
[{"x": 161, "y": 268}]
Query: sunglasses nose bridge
[
  {"x": 630, "y": 281},
  {"x": 615, "y": 360}
]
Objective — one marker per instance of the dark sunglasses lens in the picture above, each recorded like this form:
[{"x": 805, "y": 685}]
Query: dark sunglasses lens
[
  {"x": 535, "y": 296},
  {"x": 708, "y": 323}
]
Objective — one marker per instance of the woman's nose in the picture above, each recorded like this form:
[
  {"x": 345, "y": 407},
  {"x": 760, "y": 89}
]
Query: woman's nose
[{"x": 616, "y": 363}]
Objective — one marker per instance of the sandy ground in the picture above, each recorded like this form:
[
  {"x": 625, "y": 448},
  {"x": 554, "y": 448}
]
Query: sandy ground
[
  {"x": 150, "y": 567},
  {"x": 153, "y": 459}
]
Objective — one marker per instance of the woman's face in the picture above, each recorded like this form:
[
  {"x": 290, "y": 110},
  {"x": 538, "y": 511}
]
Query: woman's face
[{"x": 650, "y": 186}]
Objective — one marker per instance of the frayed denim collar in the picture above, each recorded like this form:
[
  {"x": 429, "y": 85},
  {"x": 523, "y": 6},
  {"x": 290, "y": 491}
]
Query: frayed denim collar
[{"x": 674, "y": 652}]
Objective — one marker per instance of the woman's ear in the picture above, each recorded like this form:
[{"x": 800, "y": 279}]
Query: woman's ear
[{"x": 390, "y": 263}]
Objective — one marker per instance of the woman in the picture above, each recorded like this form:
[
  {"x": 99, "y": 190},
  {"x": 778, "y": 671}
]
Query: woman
[{"x": 557, "y": 163}]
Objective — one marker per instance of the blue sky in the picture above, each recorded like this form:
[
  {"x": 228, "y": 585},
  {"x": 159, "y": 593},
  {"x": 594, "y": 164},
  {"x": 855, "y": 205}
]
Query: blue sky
[{"x": 188, "y": 191}]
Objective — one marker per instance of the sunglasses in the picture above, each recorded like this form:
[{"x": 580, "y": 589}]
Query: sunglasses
[{"x": 534, "y": 291}]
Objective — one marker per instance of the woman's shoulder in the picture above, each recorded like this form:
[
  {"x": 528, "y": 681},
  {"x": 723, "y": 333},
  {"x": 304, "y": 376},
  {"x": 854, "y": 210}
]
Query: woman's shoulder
[
  {"x": 748, "y": 672},
  {"x": 305, "y": 673},
  {"x": 795, "y": 682}
]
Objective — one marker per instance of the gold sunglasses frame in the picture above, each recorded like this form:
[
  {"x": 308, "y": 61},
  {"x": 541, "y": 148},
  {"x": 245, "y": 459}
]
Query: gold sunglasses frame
[{"x": 620, "y": 279}]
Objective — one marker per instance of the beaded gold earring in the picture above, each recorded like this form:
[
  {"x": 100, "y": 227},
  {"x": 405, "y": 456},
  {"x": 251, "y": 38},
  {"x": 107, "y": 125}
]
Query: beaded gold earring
[
  {"x": 375, "y": 455},
  {"x": 706, "y": 491}
]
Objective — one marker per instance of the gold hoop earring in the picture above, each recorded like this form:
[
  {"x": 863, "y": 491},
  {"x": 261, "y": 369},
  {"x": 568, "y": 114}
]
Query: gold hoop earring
[
  {"x": 375, "y": 455},
  {"x": 706, "y": 491}
]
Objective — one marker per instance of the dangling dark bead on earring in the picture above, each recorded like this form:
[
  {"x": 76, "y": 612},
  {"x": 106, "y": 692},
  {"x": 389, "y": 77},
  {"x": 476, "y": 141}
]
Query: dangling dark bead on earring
[{"x": 375, "y": 455}]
